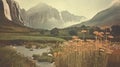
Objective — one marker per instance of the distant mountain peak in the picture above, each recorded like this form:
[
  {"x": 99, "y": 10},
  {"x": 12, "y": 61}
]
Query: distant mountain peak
[{"x": 41, "y": 7}]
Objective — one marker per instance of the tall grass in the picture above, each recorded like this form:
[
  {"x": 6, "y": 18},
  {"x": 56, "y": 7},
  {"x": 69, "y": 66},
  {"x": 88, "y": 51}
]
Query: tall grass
[
  {"x": 114, "y": 58},
  {"x": 82, "y": 54}
]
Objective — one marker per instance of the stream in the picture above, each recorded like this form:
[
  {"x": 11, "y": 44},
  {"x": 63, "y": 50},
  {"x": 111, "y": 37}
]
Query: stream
[{"x": 27, "y": 53}]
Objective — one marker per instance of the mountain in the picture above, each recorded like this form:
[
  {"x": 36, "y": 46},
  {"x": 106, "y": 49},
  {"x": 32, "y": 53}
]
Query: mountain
[
  {"x": 108, "y": 17},
  {"x": 10, "y": 19},
  {"x": 44, "y": 16}
]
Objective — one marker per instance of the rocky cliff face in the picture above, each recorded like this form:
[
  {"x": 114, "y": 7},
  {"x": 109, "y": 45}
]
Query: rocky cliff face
[{"x": 11, "y": 11}]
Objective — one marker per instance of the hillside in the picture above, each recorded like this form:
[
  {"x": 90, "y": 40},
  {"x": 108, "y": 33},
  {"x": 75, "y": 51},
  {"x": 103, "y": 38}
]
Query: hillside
[{"x": 107, "y": 17}]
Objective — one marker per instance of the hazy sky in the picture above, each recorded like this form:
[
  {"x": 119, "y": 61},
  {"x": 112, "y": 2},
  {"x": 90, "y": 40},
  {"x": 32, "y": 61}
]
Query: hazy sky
[{"x": 87, "y": 8}]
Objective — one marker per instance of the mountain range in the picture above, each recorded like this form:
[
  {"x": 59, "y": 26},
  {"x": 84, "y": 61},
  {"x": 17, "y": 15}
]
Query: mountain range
[{"x": 43, "y": 16}]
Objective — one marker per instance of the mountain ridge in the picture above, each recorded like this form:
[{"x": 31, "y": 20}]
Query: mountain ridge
[{"x": 107, "y": 17}]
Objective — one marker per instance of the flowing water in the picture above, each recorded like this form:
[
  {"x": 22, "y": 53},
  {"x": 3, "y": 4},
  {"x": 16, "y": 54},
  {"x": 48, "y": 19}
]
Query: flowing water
[{"x": 27, "y": 53}]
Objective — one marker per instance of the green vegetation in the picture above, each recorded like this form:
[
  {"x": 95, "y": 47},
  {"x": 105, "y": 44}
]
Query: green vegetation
[
  {"x": 10, "y": 58},
  {"x": 54, "y": 32},
  {"x": 73, "y": 32},
  {"x": 35, "y": 45},
  {"x": 30, "y": 38},
  {"x": 43, "y": 58},
  {"x": 77, "y": 31},
  {"x": 21, "y": 39}
]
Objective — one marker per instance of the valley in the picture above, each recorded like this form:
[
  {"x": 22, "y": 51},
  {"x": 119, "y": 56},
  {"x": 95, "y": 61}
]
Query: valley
[{"x": 46, "y": 36}]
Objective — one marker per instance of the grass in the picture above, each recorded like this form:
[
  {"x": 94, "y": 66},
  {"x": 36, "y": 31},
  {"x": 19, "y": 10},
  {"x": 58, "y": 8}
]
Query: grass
[
  {"x": 31, "y": 38},
  {"x": 35, "y": 45}
]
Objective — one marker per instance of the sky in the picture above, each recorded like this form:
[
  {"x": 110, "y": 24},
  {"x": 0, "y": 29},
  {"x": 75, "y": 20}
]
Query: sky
[{"x": 87, "y": 8}]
